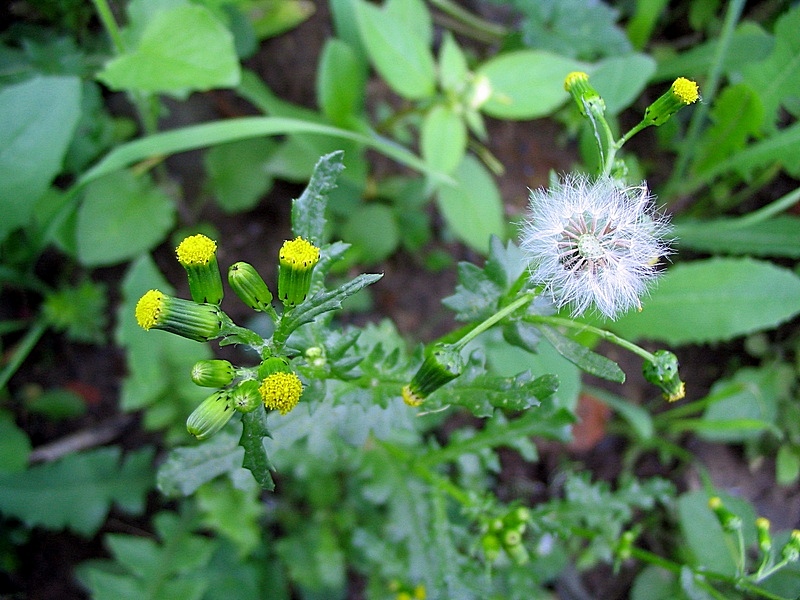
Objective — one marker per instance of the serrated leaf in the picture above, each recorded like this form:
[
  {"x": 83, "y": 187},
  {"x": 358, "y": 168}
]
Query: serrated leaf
[
  {"x": 80, "y": 489},
  {"x": 308, "y": 211},
  {"x": 186, "y": 469},
  {"x": 777, "y": 236},
  {"x": 505, "y": 264},
  {"x": 39, "y": 120},
  {"x": 254, "y": 430},
  {"x": 398, "y": 50},
  {"x": 527, "y": 84},
  {"x": 714, "y": 300},
  {"x": 777, "y": 78},
  {"x": 121, "y": 216},
  {"x": 473, "y": 208},
  {"x": 184, "y": 48},
  {"x": 320, "y": 303},
  {"x": 583, "y": 358},
  {"x": 476, "y": 295}
]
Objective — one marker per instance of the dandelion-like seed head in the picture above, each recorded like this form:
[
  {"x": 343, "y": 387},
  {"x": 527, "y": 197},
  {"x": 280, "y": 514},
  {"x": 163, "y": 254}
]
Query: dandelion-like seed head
[{"x": 593, "y": 245}]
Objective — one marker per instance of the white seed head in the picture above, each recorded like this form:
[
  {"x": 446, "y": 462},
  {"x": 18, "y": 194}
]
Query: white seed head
[{"x": 593, "y": 245}]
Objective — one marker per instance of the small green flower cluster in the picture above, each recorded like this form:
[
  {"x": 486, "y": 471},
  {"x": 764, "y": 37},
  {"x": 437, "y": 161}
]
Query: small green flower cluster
[
  {"x": 504, "y": 534},
  {"x": 273, "y": 383}
]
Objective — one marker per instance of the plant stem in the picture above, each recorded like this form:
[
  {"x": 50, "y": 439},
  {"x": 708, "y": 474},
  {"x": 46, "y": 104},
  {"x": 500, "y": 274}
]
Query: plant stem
[
  {"x": 689, "y": 144},
  {"x": 110, "y": 24},
  {"x": 475, "y": 27},
  {"x": 493, "y": 320},
  {"x": 606, "y": 335},
  {"x": 24, "y": 348},
  {"x": 770, "y": 210}
]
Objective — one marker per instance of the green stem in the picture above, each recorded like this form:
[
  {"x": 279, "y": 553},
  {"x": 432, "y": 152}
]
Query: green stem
[
  {"x": 22, "y": 350},
  {"x": 604, "y": 334},
  {"x": 689, "y": 144},
  {"x": 493, "y": 320},
  {"x": 770, "y": 210},
  {"x": 110, "y": 24},
  {"x": 478, "y": 28}
]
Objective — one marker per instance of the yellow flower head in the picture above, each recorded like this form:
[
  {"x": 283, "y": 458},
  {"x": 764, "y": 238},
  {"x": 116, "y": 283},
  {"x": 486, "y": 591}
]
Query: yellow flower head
[
  {"x": 148, "y": 309},
  {"x": 196, "y": 250},
  {"x": 281, "y": 391},
  {"x": 299, "y": 254},
  {"x": 686, "y": 90},
  {"x": 573, "y": 78}
]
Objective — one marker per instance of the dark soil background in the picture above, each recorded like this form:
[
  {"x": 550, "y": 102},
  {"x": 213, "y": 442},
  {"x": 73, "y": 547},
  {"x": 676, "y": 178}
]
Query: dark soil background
[{"x": 408, "y": 294}]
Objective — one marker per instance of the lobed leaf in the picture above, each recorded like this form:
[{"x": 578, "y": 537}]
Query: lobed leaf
[
  {"x": 308, "y": 211},
  {"x": 254, "y": 430}
]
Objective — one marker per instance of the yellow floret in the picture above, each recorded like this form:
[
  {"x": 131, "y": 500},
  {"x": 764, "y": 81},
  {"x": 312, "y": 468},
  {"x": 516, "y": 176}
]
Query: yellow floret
[
  {"x": 196, "y": 250},
  {"x": 149, "y": 308},
  {"x": 299, "y": 253},
  {"x": 281, "y": 391},
  {"x": 573, "y": 78},
  {"x": 686, "y": 90}
]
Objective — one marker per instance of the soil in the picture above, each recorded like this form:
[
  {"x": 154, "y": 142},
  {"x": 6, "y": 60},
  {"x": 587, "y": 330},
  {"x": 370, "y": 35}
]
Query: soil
[{"x": 408, "y": 294}]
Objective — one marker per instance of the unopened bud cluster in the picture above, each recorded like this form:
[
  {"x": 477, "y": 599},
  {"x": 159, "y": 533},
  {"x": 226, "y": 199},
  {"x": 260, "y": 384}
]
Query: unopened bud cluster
[
  {"x": 273, "y": 384},
  {"x": 504, "y": 535}
]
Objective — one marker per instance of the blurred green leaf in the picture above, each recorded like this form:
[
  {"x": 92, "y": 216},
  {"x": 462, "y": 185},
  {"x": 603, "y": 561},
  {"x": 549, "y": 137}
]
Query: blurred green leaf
[
  {"x": 341, "y": 81},
  {"x": 621, "y": 79},
  {"x": 397, "y": 48},
  {"x": 473, "y": 208},
  {"x": 181, "y": 49},
  {"x": 443, "y": 138},
  {"x": 273, "y": 17},
  {"x": 787, "y": 465},
  {"x": 237, "y": 172},
  {"x": 232, "y": 512},
  {"x": 737, "y": 114},
  {"x": 373, "y": 232},
  {"x": 453, "y": 68},
  {"x": 57, "y": 404},
  {"x": 714, "y": 300},
  {"x": 772, "y": 237},
  {"x": 39, "y": 119},
  {"x": 80, "y": 311},
  {"x": 527, "y": 84},
  {"x": 121, "y": 216},
  {"x": 777, "y": 78},
  {"x": 655, "y": 583},
  {"x": 77, "y": 491},
  {"x": 15, "y": 446}
]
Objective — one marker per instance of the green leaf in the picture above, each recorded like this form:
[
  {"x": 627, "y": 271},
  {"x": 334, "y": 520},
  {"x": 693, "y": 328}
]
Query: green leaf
[
  {"x": 453, "y": 67},
  {"x": 80, "y": 311},
  {"x": 341, "y": 80},
  {"x": 233, "y": 512},
  {"x": 146, "y": 569},
  {"x": 773, "y": 237},
  {"x": 373, "y": 231},
  {"x": 787, "y": 465},
  {"x": 443, "y": 139},
  {"x": 737, "y": 114},
  {"x": 308, "y": 211},
  {"x": 655, "y": 583},
  {"x": 181, "y": 49},
  {"x": 714, "y": 300},
  {"x": 582, "y": 357},
  {"x": 749, "y": 406},
  {"x": 620, "y": 80},
  {"x": 777, "y": 78},
  {"x": 476, "y": 295},
  {"x": 527, "y": 84},
  {"x": 187, "y": 468},
  {"x": 121, "y": 216},
  {"x": 473, "y": 208},
  {"x": 254, "y": 430},
  {"x": 237, "y": 172},
  {"x": 637, "y": 417},
  {"x": 77, "y": 491},
  {"x": 15, "y": 446},
  {"x": 397, "y": 49},
  {"x": 39, "y": 119}
]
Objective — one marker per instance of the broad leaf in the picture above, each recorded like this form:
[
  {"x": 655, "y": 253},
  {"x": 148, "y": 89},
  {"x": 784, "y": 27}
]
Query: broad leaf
[
  {"x": 237, "y": 172},
  {"x": 443, "y": 139},
  {"x": 620, "y": 80},
  {"x": 473, "y": 208},
  {"x": 714, "y": 300},
  {"x": 39, "y": 119},
  {"x": 777, "y": 236},
  {"x": 121, "y": 216},
  {"x": 181, "y": 49},
  {"x": 77, "y": 491},
  {"x": 527, "y": 84},
  {"x": 341, "y": 79}
]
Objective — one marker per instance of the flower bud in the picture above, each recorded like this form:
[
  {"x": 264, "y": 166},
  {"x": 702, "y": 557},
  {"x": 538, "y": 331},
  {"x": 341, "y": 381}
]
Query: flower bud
[
  {"x": 249, "y": 286},
  {"x": 585, "y": 96},
  {"x": 198, "y": 255},
  {"x": 791, "y": 551},
  {"x": 764, "y": 538},
  {"x": 246, "y": 397},
  {"x": 297, "y": 260},
  {"x": 211, "y": 416},
  {"x": 441, "y": 365},
  {"x": 663, "y": 372},
  {"x": 212, "y": 373},
  {"x": 199, "y": 322},
  {"x": 730, "y": 522},
  {"x": 512, "y": 544},
  {"x": 681, "y": 93},
  {"x": 491, "y": 547}
]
